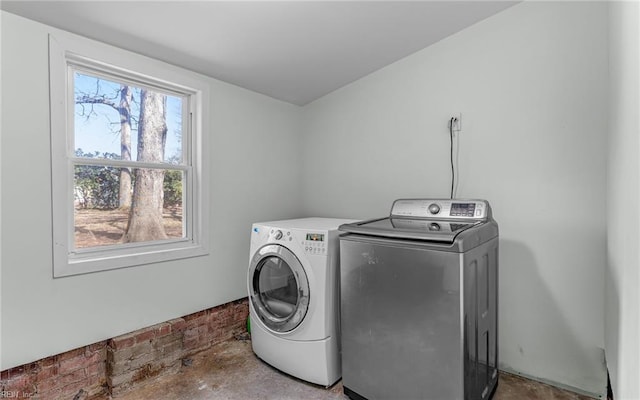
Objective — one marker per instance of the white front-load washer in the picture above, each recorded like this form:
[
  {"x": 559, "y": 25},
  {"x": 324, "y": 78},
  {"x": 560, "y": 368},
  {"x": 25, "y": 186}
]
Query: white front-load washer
[{"x": 294, "y": 302}]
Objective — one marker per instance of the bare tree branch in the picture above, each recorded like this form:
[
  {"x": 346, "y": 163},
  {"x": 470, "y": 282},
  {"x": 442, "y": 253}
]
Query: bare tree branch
[{"x": 96, "y": 99}]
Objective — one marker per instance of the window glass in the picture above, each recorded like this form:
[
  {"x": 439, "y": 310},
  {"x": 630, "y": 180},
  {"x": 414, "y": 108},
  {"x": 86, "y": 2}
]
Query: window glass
[
  {"x": 107, "y": 115},
  {"x": 98, "y": 219},
  {"x": 119, "y": 122}
]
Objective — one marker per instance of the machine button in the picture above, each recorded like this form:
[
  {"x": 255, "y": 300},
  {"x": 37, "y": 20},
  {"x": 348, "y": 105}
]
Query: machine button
[
  {"x": 434, "y": 226},
  {"x": 278, "y": 235},
  {"x": 434, "y": 208}
]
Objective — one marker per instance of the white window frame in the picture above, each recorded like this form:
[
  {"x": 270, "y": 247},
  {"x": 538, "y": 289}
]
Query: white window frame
[{"x": 69, "y": 53}]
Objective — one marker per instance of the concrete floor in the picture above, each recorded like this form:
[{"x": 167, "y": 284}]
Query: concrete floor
[{"x": 230, "y": 371}]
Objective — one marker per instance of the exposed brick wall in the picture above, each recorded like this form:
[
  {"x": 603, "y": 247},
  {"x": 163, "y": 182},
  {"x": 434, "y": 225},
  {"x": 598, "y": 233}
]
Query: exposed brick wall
[
  {"x": 114, "y": 366},
  {"x": 209, "y": 327},
  {"x": 149, "y": 352},
  {"x": 76, "y": 374}
]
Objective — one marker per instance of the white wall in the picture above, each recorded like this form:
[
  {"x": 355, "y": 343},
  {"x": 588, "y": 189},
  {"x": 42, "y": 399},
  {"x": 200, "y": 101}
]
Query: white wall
[
  {"x": 622, "y": 309},
  {"x": 253, "y": 138},
  {"x": 531, "y": 83}
]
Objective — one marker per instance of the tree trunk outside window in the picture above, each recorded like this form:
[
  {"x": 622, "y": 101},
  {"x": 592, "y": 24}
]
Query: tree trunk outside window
[
  {"x": 125, "y": 145},
  {"x": 145, "y": 217}
]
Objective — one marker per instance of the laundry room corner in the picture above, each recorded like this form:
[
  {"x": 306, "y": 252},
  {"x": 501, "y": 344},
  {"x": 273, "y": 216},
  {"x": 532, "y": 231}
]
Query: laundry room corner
[{"x": 522, "y": 113}]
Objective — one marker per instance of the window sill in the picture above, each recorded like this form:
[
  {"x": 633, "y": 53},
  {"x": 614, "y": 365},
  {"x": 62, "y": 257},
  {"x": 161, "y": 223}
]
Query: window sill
[{"x": 104, "y": 260}]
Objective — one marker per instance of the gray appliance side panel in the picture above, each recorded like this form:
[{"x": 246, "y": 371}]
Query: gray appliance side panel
[
  {"x": 401, "y": 321},
  {"x": 480, "y": 342},
  {"x": 476, "y": 236}
]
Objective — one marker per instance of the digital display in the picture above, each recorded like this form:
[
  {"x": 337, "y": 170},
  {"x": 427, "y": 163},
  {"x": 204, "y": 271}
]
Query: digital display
[
  {"x": 315, "y": 237},
  {"x": 462, "y": 209}
]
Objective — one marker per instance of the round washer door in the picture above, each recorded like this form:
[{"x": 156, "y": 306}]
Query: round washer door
[{"x": 278, "y": 288}]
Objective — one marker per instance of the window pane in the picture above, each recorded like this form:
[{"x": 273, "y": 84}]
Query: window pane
[
  {"x": 100, "y": 221},
  {"x": 108, "y": 115}
]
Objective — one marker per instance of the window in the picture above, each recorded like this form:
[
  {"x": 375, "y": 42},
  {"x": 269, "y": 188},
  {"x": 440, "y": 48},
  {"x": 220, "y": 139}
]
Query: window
[{"x": 128, "y": 173}]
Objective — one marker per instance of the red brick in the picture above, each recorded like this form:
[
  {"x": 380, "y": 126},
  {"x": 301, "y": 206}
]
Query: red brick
[
  {"x": 70, "y": 354},
  {"x": 98, "y": 386},
  {"x": 48, "y": 362},
  {"x": 163, "y": 330},
  {"x": 195, "y": 323},
  {"x": 72, "y": 364},
  {"x": 98, "y": 369},
  {"x": 63, "y": 380},
  {"x": 20, "y": 383},
  {"x": 21, "y": 369},
  {"x": 215, "y": 331},
  {"x": 97, "y": 346},
  {"x": 77, "y": 379},
  {"x": 50, "y": 394},
  {"x": 160, "y": 347},
  {"x": 98, "y": 391},
  {"x": 175, "y": 337},
  {"x": 177, "y": 325},
  {"x": 199, "y": 315},
  {"x": 145, "y": 335},
  {"x": 193, "y": 346},
  {"x": 13, "y": 372},
  {"x": 70, "y": 391},
  {"x": 95, "y": 358},
  {"x": 194, "y": 338},
  {"x": 48, "y": 385},
  {"x": 47, "y": 373},
  {"x": 122, "y": 342},
  {"x": 99, "y": 356},
  {"x": 193, "y": 332}
]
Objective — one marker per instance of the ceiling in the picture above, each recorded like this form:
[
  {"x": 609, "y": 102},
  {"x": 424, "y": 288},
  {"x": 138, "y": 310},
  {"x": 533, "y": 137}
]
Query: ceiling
[{"x": 291, "y": 51}]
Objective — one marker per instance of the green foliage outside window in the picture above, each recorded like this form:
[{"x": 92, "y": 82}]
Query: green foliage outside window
[{"x": 97, "y": 186}]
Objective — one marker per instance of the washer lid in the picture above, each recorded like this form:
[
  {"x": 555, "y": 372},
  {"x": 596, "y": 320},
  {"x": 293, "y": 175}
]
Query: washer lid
[
  {"x": 406, "y": 228},
  {"x": 435, "y": 220}
]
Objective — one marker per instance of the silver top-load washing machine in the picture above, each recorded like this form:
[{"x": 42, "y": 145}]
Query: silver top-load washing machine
[{"x": 419, "y": 299}]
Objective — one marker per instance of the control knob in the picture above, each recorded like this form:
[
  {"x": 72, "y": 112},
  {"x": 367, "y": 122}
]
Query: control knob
[
  {"x": 278, "y": 235},
  {"x": 434, "y": 208},
  {"x": 434, "y": 226}
]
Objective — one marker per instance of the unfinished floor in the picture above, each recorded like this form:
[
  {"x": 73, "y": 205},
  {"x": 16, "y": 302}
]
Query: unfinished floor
[{"x": 230, "y": 371}]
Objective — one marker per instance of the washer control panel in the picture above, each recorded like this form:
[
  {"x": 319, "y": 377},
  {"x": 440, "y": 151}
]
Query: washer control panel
[
  {"x": 441, "y": 209},
  {"x": 315, "y": 243},
  {"x": 279, "y": 234}
]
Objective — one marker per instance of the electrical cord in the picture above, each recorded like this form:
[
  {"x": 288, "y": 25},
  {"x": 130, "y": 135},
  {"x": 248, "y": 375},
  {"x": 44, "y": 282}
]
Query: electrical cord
[{"x": 453, "y": 172}]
